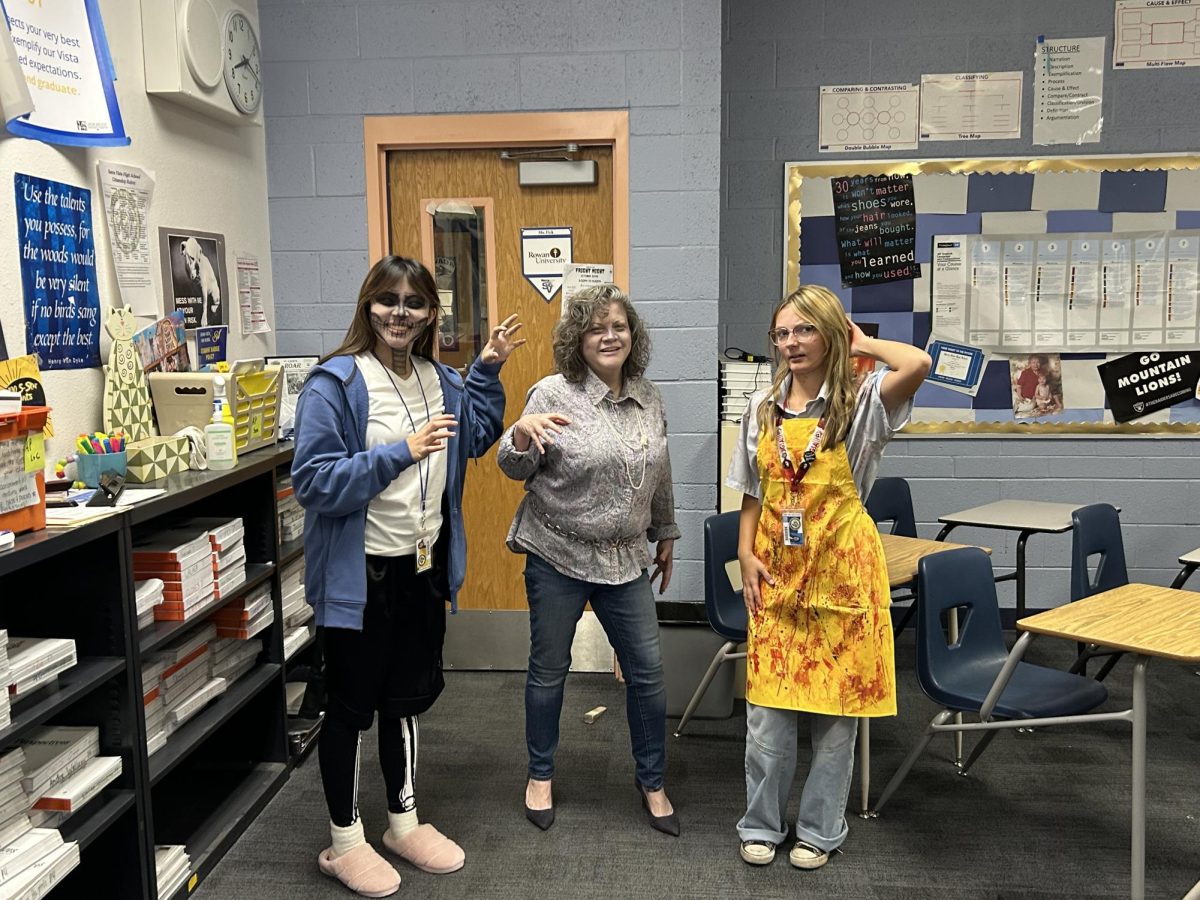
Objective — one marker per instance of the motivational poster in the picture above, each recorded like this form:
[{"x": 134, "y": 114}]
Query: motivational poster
[
  {"x": 1141, "y": 383},
  {"x": 876, "y": 218},
  {"x": 58, "y": 273}
]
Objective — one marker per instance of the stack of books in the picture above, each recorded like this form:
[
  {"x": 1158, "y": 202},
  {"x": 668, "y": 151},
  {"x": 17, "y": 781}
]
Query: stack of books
[
  {"x": 148, "y": 594},
  {"x": 230, "y": 658},
  {"x": 172, "y": 865},
  {"x": 184, "y": 684},
  {"x": 226, "y": 539},
  {"x": 20, "y": 852},
  {"x": 296, "y": 610},
  {"x": 14, "y": 801},
  {"x": 291, "y": 514},
  {"x": 182, "y": 559},
  {"x": 738, "y": 381},
  {"x": 40, "y": 877},
  {"x": 5, "y": 678},
  {"x": 59, "y": 803},
  {"x": 63, "y": 770},
  {"x": 245, "y": 616},
  {"x": 34, "y": 662},
  {"x": 153, "y": 708}
]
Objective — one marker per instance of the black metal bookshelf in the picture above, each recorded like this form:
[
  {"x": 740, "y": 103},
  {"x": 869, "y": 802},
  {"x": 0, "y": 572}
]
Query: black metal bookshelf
[{"x": 221, "y": 767}]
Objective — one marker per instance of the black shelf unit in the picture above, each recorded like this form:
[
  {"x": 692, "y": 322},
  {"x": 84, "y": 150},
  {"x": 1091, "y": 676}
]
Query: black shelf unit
[{"x": 219, "y": 769}]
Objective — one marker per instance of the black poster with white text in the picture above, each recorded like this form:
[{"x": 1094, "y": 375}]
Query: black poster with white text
[
  {"x": 1141, "y": 383},
  {"x": 876, "y": 218}
]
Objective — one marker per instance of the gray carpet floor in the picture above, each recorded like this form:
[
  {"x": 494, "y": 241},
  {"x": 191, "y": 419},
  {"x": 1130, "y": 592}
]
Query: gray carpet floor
[{"x": 1042, "y": 815}]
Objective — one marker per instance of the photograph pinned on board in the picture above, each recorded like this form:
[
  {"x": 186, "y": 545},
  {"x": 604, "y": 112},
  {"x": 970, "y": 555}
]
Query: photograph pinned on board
[
  {"x": 195, "y": 279},
  {"x": 162, "y": 347},
  {"x": 1037, "y": 385}
]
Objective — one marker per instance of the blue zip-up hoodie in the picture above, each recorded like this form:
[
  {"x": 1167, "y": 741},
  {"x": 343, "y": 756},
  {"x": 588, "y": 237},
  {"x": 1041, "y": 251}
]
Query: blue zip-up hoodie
[{"x": 335, "y": 477}]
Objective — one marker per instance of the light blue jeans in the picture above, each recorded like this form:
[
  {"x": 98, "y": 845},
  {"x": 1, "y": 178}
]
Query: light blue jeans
[
  {"x": 628, "y": 615},
  {"x": 771, "y": 767}
]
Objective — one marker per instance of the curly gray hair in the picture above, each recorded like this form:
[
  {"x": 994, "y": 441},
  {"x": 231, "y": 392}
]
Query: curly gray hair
[{"x": 584, "y": 308}]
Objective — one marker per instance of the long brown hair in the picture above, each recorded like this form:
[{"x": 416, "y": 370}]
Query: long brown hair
[
  {"x": 384, "y": 276},
  {"x": 569, "y": 330},
  {"x": 822, "y": 308}
]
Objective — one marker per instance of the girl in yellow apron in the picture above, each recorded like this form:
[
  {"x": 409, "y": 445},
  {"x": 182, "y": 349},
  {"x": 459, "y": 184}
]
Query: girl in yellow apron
[{"x": 813, "y": 572}]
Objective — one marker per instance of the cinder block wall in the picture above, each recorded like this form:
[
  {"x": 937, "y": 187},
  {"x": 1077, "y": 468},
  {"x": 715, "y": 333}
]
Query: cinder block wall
[
  {"x": 328, "y": 64},
  {"x": 775, "y": 56}
]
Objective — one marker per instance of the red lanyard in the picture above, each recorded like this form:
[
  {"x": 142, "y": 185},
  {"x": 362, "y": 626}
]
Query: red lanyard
[{"x": 807, "y": 458}]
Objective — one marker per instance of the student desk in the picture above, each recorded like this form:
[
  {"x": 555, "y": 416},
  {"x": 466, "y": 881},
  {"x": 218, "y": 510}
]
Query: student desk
[
  {"x": 1024, "y": 516},
  {"x": 903, "y": 555},
  {"x": 1190, "y": 562},
  {"x": 1142, "y": 619}
]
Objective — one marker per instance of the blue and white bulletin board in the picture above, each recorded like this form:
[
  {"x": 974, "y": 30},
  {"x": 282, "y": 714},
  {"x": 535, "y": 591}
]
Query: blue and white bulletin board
[{"x": 1094, "y": 194}]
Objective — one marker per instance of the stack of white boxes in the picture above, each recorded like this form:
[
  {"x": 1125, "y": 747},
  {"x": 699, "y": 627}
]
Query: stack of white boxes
[
  {"x": 246, "y": 616},
  {"x": 147, "y": 595},
  {"x": 184, "y": 684},
  {"x": 182, "y": 559},
  {"x": 296, "y": 611},
  {"x": 226, "y": 537},
  {"x": 35, "y": 662},
  {"x": 291, "y": 514},
  {"x": 172, "y": 865}
]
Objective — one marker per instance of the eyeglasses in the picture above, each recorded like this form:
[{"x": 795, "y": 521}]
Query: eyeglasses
[{"x": 802, "y": 333}]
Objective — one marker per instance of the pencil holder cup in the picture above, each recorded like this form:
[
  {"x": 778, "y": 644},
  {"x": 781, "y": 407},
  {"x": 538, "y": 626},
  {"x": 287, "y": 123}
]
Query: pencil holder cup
[{"x": 90, "y": 466}]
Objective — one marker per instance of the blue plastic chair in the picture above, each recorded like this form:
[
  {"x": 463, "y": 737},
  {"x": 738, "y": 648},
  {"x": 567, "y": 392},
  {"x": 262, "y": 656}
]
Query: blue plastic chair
[
  {"x": 724, "y": 604},
  {"x": 1096, "y": 531},
  {"x": 958, "y": 676},
  {"x": 890, "y": 500}
]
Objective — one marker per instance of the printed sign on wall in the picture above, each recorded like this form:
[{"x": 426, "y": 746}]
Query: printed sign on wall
[
  {"x": 58, "y": 273},
  {"x": 1142, "y": 383},
  {"x": 876, "y": 219}
]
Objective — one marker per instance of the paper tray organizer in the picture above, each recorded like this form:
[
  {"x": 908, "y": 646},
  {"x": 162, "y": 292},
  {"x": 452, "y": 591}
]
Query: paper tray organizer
[{"x": 186, "y": 398}]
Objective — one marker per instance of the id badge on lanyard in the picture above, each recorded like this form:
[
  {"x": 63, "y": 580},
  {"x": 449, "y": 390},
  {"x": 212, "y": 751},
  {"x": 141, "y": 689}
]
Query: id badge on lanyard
[
  {"x": 793, "y": 515},
  {"x": 424, "y": 556}
]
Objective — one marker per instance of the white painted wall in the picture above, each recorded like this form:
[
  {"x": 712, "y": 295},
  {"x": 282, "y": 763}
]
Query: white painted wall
[{"x": 209, "y": 176}]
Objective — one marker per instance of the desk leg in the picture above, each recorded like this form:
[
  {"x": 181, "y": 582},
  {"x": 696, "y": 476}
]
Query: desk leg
[
  {"x": 1137, "y": 856},
  {"x": 864, "y": 765},
  {"x": 1184, "y": 574},
  {"x": 1021, "y": 573},
  {"x": 946, "y": 529}
]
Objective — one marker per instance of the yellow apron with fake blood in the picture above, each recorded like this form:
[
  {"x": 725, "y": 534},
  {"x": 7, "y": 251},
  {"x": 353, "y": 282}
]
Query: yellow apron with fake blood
[{"x": 822, "y": 639}]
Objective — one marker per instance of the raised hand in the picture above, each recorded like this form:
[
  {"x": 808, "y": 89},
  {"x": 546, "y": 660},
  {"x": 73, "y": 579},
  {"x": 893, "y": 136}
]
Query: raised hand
[
  {"x": 501, "y": 342},
  {"x": 538, "y": 429},
  {"x": 432, "y": 436}
]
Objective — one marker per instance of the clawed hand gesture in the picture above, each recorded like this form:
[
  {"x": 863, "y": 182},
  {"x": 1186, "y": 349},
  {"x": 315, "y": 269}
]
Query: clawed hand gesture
[
  {"x": 538, "y": 429},
  {"x": 501, "y": 342},
  {"x": 432, "y": 436}
]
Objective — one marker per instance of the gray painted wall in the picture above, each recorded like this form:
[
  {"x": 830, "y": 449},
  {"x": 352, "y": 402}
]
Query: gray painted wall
[
  {"x": 775, "y": 56},
  {"x": 327, "y": 64}
]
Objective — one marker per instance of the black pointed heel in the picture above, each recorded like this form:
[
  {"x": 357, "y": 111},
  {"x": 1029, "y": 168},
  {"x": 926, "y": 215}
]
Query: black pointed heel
[
  {"x": 668, "y": 824},
  {"x": 542, "y": 818}
]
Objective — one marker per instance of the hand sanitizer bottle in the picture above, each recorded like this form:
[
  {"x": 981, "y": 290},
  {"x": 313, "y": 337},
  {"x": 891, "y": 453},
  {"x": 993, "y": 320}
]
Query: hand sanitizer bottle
[{"x": 219, "y": 439}]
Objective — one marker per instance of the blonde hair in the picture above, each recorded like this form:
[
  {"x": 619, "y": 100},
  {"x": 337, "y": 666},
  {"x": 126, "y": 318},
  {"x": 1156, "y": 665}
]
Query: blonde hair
[{"x": 822, "y": 308}]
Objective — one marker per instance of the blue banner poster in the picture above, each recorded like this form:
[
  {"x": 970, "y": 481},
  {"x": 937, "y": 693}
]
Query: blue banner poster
[
  {"x": 210, "y": 345},
  {"x": 58, "y": 273}
]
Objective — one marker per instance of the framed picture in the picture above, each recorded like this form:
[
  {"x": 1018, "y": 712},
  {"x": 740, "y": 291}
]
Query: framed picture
[
  {"x": 195, "y": 279},
  {"x": 162, "y": 347}
]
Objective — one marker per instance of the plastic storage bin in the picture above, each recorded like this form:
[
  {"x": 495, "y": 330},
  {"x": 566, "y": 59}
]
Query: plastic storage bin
[{"x": 15, "y": 430}]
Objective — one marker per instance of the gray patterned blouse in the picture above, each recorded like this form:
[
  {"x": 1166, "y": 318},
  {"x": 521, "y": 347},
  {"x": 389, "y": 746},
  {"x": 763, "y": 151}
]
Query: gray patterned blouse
[{"x": 603, "y": 488}]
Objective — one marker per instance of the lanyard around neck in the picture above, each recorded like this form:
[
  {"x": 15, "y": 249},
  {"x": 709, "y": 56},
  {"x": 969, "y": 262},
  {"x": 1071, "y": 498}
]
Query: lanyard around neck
[
  {"x": 796, "y": 475},
  {"x": 422, "y": 474}
]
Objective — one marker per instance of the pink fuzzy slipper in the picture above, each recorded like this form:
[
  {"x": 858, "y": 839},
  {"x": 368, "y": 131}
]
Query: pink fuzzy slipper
[
  {"x": 362, "y": 870},
  {"x": 427, "y": 849}
]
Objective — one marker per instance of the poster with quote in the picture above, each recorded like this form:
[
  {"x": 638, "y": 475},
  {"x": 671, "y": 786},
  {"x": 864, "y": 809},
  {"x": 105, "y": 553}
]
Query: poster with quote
[
  {"x": 63, "y": 55},
  {"x": 876, "y": 218},
  {"x": 58, "y": 272}
]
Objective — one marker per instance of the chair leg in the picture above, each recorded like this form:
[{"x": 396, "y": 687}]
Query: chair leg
[
  {"x": 907, "y": 617},
  {"x": 1108, "y": 666},
  {"x": 910, "y": 760},
  {"x": 977, "y": 751},
  {"x": 721, "y": 656}
]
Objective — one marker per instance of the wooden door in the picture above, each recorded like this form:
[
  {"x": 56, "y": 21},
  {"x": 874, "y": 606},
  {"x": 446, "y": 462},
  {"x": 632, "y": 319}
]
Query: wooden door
[{"x": 480, "y": 178}]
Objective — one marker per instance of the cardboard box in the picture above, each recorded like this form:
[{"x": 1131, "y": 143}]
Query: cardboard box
[{"x": 156, "y": 457}]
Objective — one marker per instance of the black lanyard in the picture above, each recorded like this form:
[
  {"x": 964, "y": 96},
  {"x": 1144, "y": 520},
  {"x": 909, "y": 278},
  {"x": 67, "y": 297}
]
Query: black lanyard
[{"x": 807, "y": 458}]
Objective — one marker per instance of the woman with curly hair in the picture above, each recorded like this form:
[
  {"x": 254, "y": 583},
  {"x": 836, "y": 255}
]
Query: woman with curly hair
[{"x": 591, "y": 447}]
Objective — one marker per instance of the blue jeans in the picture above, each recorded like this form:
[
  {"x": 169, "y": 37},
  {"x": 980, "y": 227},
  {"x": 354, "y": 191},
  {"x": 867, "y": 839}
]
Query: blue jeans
[
  {"x": 628, "y": 616},
  {"x": 771, "y": 766}
]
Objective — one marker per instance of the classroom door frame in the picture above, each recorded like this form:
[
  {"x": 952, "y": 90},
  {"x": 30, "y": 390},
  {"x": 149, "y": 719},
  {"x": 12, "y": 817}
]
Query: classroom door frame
[{"x": 507, "y": 131}]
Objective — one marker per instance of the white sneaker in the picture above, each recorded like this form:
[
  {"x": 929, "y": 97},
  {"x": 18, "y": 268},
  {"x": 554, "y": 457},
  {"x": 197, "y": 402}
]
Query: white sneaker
[
  {"x": 806, "y": 856},
  {"x": 758, "y": 853}
]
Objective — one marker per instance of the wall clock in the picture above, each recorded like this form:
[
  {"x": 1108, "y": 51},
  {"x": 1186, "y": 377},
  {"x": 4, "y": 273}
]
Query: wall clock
[{"x": 204, "y": 54}]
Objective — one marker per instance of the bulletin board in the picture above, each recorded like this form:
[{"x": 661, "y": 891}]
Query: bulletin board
[{"x": 1095, "y": 194}]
